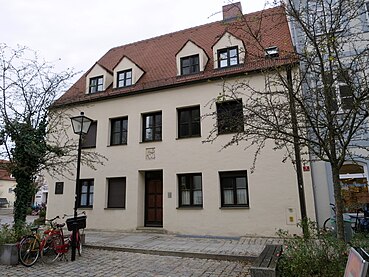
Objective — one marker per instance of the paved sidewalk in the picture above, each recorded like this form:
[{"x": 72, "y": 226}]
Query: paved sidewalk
[{"x": 220, "y": 248}]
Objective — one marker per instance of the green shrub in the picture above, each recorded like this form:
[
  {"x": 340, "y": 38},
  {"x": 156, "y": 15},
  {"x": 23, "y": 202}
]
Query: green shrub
[
  {"x": 29, "y": 211},
  {"x": 319, "y": 255},
  {"x": 9, "y": 234},
  {"x": 42, "y": 213}
]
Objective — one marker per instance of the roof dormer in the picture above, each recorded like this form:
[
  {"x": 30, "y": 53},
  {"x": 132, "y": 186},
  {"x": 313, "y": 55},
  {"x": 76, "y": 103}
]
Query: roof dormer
[
  {"x": 126, "y": 73},
  {"x": 98, "y": 79},
  {"x": 191, "y": 59},
  {"x": 228, "y": 51}
]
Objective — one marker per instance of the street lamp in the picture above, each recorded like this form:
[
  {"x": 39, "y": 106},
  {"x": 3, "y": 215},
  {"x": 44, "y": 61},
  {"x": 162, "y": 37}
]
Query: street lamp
[{"x": 81, "y": 124}]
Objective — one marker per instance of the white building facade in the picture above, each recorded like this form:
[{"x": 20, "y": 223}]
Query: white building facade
[{"x": 154, "y": 103}]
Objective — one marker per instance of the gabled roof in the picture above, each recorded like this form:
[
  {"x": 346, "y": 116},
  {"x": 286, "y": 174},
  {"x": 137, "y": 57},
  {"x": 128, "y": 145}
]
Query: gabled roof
[
  {"x": 156, "y": 56},
  {"x": 4, "y": 173}
]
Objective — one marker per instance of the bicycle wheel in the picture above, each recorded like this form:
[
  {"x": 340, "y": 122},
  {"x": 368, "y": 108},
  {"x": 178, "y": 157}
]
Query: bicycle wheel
[
  {"x": 29, "y": 250},
  {"x": 329, "y": 225},
  {"x": 49, "y": 251}
]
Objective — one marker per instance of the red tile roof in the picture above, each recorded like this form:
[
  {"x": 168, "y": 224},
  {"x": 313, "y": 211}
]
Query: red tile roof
[
  {"x": 157, "y": 56},
  {"x": 4, "y": 173}
]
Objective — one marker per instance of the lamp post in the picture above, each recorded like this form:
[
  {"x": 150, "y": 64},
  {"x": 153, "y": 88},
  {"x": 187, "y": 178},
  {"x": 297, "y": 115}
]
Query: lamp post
[{"x": 81, "y": 124}]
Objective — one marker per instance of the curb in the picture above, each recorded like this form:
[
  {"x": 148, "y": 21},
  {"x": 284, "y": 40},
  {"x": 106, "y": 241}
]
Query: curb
[{"x": 174, "y": 253}]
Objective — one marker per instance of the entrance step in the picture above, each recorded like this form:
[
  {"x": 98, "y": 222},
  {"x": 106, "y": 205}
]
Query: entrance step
[{"x": 154, "y": 230}]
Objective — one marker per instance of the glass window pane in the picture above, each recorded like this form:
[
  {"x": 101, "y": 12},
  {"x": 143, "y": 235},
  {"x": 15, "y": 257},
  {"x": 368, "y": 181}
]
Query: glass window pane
[
  {"x": 149, "y": 121},
  {"x": 91, "y": 189},
  {"x": 185, "y": 62},
  {"x": 158, "y": 120},
  {"x": 233, "y": 52},
  {"x": 116, "y": 126},
  {"x": 148, "y": 134},
  {"x": 197, "y": 182},
  {"x": 158, "y": 133},
  {"x": 197, "y": 197},
  {"x": 228, "y": 197},
  {"x": 223, "y": 63},
  {"x": 233, "y": 61},
  {"x": 129, "y": 74},
  {"x": 83, "y": 199},
  {"x": 241, "y": 197},
  {"x": 240, "y": 182},
  {"x": 184, "y": 116},
  {"x": 186, "y": 197},
  {"x": 100, "y": 81},
  {"x": 84, "y": 188},
  {"x": 91, "y": 200},
  {"x": 115, "y": 138},
  {"x": 184, "y": 131},
  {"x": 227, "y": 183},
  {"x": 128, "y": 82}
]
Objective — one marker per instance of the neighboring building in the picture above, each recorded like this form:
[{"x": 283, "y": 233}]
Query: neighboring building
[
  {"x": 354, "y": 173},
  {"x": 7, "y": 186},
  {"x": 41, "y": 195},
  {"x": 149, "y": 101}
]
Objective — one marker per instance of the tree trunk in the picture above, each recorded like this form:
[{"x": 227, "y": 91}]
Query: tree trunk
[{"x": 339, "y": 202}]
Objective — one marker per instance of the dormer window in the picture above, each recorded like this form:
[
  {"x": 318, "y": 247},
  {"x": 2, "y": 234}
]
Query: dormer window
[
  {"x": 190, "y": 65},
  {"x": 124, "y": 78},
  {"x": 96, "y": 84},
  {"x": 272, "y": 52},
  {"x": 228, "y": 57}
]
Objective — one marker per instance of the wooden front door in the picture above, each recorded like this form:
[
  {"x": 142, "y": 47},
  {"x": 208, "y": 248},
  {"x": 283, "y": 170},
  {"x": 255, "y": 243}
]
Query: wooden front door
[{"x": 154, "y": 199}]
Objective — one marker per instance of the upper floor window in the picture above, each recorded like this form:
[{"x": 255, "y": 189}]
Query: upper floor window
[
  {"x": 89, "y": 140},
  {"x": 96, "y": 84},
  {"x": 190, "y": 190},
  {"x": 119, "y": 131},
  {"x": 230, "y": 117},
  {"x": 152, "y": 127},
  {"x": 190, "y": 65},
  {"x": 86, "y": 193},
  {"x": 340, "y": 91},
  {"x": 367, "y": 10},
  {"x": 234, "y": 189},
  {"x": 189, "y": 122},
  {"x": 59, "y": 187},
  {"x": 124, "y": 78},
  {"x": 228, "y": 57}
]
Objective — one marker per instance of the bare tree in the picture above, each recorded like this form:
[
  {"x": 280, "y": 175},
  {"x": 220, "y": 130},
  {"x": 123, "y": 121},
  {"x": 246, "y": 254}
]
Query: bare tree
[
  {"x": 325, "y": 89},
  {"x": 33, "y": 136}
]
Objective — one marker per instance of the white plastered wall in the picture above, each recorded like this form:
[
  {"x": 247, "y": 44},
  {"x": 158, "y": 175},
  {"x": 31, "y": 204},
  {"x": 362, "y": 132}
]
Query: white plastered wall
[{"x": 273, "y": 193}]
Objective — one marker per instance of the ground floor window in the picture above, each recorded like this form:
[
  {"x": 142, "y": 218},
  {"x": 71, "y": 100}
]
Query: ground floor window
[
  {"x": 234, "y": 189},
  {"x": 190, "y": 190},
  {"x": 116, "y": 193},
  {"x": 86, "y": 193},
  {"x": 354, "y": 184}
]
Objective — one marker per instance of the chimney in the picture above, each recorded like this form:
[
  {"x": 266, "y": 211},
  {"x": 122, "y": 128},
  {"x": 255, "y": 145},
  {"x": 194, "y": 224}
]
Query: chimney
[{"x": 232, "y": 11}]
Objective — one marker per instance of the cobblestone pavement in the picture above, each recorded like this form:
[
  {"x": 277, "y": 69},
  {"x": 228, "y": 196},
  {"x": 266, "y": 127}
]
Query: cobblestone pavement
[
  {"x": 242, "y": 248},
  {"x": 97, "y": 262}
]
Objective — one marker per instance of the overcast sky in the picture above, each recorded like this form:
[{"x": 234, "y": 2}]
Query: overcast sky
[{"x": 76, "y": 33}]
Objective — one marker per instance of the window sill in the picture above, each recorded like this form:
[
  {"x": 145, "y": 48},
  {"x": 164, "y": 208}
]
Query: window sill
[
  {"x": 190, "y": 208},
  {"x": 88, "y": 147},
  {"x": 112, "y": 145},
  {"x": 123, "y": 208},
  {"x": 192, "y": 137},
  {"x": 150, "y": 141},
  {"x": 85, "y": 208},
  {"x": 235, "y": 208}
]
